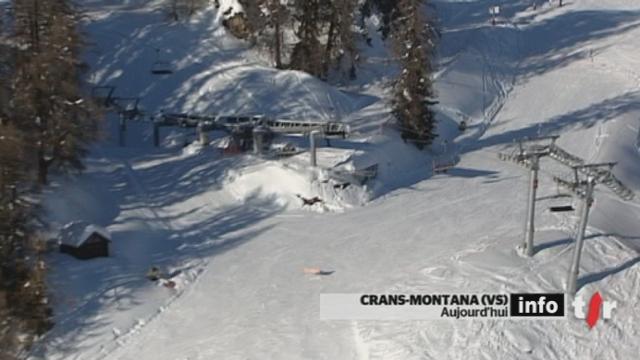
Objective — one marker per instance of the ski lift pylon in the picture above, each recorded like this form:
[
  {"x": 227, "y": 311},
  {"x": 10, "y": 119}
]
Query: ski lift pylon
[{"x": 160, "y": 67}]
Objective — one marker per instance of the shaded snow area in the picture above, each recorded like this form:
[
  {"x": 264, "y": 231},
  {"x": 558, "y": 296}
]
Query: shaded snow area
[{"x": 231, "y": 237}]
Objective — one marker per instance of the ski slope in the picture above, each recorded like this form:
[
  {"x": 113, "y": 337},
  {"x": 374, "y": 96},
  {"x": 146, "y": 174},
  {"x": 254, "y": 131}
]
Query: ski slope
[{"x": 231, "y": 232}]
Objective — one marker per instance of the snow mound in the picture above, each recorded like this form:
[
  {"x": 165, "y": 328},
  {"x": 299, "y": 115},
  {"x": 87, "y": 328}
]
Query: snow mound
[
  {"x": 270, "y": 180},
  {"x": 288, "y": 185},
  {"x": 251, "y": 89}
]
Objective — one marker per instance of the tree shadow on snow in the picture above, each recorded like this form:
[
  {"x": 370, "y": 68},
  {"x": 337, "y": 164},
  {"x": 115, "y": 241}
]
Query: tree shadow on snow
[
  {"x": 560, "y": 242},
  {"x": 471, "y": 173},
  {"x": 601, "y": 112},
  {"x": 566, "y": 38},
  {"x": 553, "y": 42},
  {"x": 86, "y": 288}
]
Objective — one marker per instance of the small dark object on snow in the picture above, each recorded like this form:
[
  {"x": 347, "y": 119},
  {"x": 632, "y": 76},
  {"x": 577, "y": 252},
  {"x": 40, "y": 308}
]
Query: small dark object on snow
[
  {"x": 160, "y": 67},
  {"x": 564, "y": 208},
  {"x": 442, "y": 167},
  {"x": 462, "y": 126},
  {"x": 341, "y": 186},
  {"x": 154, "y": 274},
  {"x": 310, "y": 202},
  {"x": 317, "y": 271},
  {"x": 325, "y": 272}
]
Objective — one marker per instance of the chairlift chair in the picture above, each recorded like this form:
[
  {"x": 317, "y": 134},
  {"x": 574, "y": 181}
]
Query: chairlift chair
[
  {"x": 561, "y": 208},
  {"x": 160, "y": 67},
  {"x": 564, "y": 181},
  {"x": 127, "y": 107}
]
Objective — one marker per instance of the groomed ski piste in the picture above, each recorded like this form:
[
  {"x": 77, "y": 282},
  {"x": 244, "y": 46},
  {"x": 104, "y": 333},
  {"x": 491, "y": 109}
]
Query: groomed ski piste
[{"x": 235, "y": 237}]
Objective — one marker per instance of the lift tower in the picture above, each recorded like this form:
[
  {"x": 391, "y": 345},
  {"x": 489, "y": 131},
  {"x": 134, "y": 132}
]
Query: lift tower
[
  {"x": 582, "y": 183},
  {"x": 528, "y": 154},
  {"x": 585, "y": 179}
]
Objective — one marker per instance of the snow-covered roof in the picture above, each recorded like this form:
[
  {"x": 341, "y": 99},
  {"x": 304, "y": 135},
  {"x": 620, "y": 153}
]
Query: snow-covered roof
[
  {"x": 76, "y": 233},
  {"x": 230, "y": 7}
]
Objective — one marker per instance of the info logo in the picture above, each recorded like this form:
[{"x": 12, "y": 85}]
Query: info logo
[
  {"x": 597, "y": 309},
  {"x": 536, "y": 305}
]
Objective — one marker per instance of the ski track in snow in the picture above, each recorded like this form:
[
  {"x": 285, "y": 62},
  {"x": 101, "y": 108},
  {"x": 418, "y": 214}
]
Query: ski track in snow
[{"x": 127, "y": 337}]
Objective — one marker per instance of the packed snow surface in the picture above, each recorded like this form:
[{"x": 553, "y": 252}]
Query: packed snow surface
[{"x": 231, "y": 235}]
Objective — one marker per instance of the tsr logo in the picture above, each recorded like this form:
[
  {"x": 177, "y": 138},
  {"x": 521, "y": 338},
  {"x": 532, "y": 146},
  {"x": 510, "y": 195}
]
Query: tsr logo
[{"x": 596, "y": 306}]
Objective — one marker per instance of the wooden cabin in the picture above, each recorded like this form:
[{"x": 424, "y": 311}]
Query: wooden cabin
[{"x": 85, "y": 242}]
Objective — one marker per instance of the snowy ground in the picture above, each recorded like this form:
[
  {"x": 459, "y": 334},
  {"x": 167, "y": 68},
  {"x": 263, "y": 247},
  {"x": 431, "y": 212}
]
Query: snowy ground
[{"x": 229, "y": 229}]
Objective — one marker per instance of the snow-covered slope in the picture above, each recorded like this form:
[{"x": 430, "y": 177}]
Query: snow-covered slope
[
  {"x": 225, "y": 229},
  {"x": 212, "y": 72}
]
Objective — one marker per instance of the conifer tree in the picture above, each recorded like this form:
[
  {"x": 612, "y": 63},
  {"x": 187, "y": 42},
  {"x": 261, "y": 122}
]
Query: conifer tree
[
  {"x": 414, "y": 41},
  {"x": 277, "y": 13},
  {"x": 305, "y": 52},
  {"x": 340, "y": 46},
  {"x": 267, "y": 20},
  {"x": 49, "y": 105},
  {"x": 386, "y": 8}
]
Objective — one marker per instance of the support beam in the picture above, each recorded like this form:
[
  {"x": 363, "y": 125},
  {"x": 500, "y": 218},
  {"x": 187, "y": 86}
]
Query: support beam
[
  {"x": 202, "y": 134},
  {"x": 528, "y": 154},
  {"x": 572, "y": 279},
  {"x": 156, "y": 134},
  {"x": 313, "y": 147},
  {"x": 122, "y": 129},
  {"x": 582, "y": 184},
  {"x": 260, "y": 134},
  {"x": 531, "y": 206}
]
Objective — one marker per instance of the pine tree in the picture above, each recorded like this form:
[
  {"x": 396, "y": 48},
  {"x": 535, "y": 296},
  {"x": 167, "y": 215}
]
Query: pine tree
[
  {"x": 6, "y": 65},
  {"x": 387, "y": 8},
  {"x": 340, "y": 46},
  {"x": 325, "y": 36},
  {"x": 324, "y": 32},
  {"x": 45, "y": 122},
  {"x": 414, "y": 41},
  {"x": 277, "y": 20},
  {"x": 13, "y": 171},
  {"x": 305, "y": 52},
  {"x": 14, "y": 164},
  {"x": 267, "y": 20},
  {"x": 48, "y": 104}
]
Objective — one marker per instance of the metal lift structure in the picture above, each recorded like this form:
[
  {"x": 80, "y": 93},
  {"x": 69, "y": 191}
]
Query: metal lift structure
[{"x": 581, "y": 183}]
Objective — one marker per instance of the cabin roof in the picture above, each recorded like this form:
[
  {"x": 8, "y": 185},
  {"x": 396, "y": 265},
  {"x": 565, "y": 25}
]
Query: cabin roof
[{"x": 76, "y": 233}]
